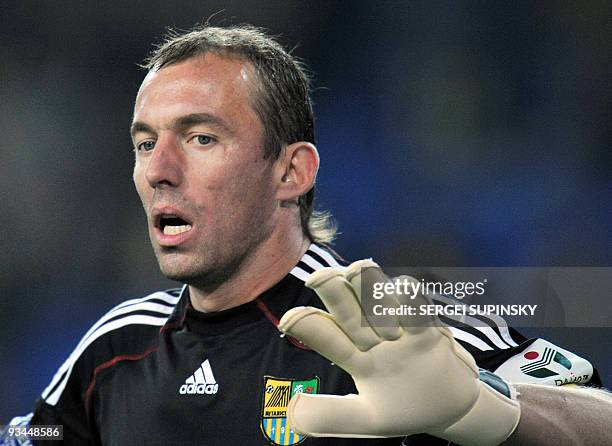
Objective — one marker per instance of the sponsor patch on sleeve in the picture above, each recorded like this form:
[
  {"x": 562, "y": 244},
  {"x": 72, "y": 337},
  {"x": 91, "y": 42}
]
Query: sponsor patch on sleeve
[{"x": 544, "y": 363}]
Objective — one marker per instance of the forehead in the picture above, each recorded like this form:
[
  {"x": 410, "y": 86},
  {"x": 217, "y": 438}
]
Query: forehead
[{"x": 203, "y": 84}]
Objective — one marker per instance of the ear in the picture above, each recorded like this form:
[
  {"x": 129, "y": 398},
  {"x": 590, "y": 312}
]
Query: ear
[{"x": 297, "y": 170}]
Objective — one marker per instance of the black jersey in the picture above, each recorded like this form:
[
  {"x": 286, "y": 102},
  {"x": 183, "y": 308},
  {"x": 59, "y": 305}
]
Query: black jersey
[{"x": 154, "y": 371}]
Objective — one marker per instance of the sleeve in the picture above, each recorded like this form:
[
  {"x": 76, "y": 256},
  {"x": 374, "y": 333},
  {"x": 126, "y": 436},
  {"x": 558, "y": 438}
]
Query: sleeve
[
  {"x": 70, "y": 412},
  {"x": 507, "y": 353},
  {"x": 69, "y": 399},
  {"x": 539, "y": 361},
  {"x": 65, "y": 400},
  {"x": 61, "y": 403}
]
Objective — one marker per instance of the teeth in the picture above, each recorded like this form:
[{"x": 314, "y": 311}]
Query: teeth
[{"x": 174, "y": 230}]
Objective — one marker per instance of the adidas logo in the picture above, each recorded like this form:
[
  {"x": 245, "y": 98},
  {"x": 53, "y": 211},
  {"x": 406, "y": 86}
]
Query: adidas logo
[{"x": 201, "y": 382}]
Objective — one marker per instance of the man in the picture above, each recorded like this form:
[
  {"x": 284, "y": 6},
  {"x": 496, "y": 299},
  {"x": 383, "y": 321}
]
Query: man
[{"x": 225, "y": 166}]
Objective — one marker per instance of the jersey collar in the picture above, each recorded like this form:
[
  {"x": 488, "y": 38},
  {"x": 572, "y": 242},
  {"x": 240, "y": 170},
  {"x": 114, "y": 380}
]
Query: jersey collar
[{"x": 278, "y": 298}]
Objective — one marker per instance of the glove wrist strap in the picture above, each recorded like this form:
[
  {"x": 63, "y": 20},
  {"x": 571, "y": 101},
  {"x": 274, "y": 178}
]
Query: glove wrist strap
[{"x": 490, "y": 421}]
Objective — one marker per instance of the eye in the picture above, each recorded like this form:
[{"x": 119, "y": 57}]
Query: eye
[
  {"x": 203, "y": 140},
  {"x": 145, "y": 146}
]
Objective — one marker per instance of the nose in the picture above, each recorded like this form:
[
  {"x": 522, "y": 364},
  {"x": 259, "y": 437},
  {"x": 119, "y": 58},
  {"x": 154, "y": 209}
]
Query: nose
[{"x": 165, "y": 164}]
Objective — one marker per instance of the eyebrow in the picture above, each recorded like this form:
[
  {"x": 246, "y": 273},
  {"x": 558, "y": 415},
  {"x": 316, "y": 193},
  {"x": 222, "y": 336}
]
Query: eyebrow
[{"x": 184, "y": 122}]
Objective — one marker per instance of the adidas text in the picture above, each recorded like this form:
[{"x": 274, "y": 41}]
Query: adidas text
[
  {"x": 201, "y": 382},
  {"x": 200, "y": 389}
]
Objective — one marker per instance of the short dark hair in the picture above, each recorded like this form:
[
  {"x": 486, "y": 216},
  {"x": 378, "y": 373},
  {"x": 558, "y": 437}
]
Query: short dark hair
[{"x": 282, "y": 101}]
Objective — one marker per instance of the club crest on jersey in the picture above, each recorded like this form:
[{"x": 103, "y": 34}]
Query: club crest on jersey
[{"x": 276, "y": 396}]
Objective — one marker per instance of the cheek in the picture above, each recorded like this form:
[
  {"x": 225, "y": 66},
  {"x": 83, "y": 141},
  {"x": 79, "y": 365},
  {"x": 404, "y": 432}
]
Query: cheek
[
  {"x": 144, "y": 192},
  {"x": 248, "y": 195},
  {"x": 239, "y": 178}
]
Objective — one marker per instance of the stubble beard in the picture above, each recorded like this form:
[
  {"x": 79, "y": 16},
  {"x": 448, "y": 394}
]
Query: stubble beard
[
  {"x": 208, "y": 269},
  {"x": 196, "y": 269}
]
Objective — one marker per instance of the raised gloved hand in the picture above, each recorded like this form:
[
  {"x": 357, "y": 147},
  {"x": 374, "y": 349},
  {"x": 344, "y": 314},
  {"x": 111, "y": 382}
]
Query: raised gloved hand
[{"x": 412, "y": 377}]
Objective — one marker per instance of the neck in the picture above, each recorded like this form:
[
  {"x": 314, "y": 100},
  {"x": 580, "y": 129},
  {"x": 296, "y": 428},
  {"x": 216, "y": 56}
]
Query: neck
[{"x": 265, "y": 266}]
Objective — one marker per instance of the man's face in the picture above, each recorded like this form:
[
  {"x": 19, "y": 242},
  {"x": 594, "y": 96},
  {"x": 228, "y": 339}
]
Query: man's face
[{"x": 200, "y": 170}]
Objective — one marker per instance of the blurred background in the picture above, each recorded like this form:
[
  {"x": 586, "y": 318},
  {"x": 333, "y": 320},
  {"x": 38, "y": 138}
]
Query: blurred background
[{"x": 451, "y": 134}]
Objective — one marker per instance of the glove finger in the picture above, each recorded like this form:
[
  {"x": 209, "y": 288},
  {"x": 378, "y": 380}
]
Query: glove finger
[
  {"x": 419, "y": 319},
  {"x": 329, "y": 416},
  {"x": 319, "y": 331},
  {"x": 366, "y": 273},
  {"x": 338, "y": 296}
]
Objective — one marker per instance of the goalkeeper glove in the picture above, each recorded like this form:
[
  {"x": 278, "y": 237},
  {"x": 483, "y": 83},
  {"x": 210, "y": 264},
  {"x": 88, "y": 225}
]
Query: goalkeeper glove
[{"x": 411, "y": 377}]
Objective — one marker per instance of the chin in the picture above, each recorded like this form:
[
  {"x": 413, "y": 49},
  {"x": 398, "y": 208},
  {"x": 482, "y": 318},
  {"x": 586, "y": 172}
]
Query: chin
[
  {"x": 175, "y": 268},
  {"x": 177, "y": 276},
  {"x": 183, "y": 270},
  {"x": 177, "y": 272}
]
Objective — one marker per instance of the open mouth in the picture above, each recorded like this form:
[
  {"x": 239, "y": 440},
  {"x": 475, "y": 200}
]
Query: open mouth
[{"x": 173, "y": 225}]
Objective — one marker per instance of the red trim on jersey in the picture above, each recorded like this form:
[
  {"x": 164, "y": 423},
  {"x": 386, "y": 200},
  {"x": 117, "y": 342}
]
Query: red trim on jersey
[
  {"x": 168, "y": 326},
  {"x": 106, "y": 365},
  {"x": 266, "y": 311}
]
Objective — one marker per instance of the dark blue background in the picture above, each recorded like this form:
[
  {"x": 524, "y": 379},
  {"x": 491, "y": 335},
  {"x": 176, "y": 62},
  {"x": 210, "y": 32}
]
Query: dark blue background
[{"x": 450, "y": 133}]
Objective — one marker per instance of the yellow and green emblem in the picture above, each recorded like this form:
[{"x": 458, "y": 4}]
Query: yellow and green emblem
[{"x": 277, "y": 394}]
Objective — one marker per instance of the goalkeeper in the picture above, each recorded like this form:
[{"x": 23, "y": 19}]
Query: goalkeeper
[{"x": 225, "y": 165}]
